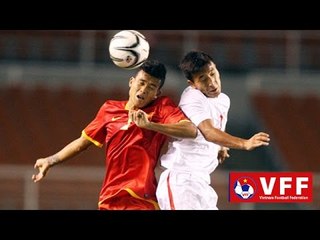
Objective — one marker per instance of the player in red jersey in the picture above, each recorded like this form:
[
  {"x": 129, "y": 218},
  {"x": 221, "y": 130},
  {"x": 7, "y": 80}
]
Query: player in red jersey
[{"x": 133, "y": 132}]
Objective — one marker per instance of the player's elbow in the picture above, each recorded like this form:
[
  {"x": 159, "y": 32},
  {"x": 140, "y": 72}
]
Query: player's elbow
[
  {"x": 207, "y": 134},
  {"x": 211, "y": 138},
  {"x": 189, "y": 129},
  {"x": 213, "y": 135},
  {"x": 193, "y": 131}
]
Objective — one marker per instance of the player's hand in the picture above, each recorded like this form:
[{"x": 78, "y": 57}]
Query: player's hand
[
  {"x": 223, "y": 154},
  {"x": 140, "y": 118},
  {"x": 257, "y": 140},
  {"x": 43, "y": 166}
]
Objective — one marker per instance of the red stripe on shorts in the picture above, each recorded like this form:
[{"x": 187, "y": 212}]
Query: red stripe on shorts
[{"x": 170, "y": 194}]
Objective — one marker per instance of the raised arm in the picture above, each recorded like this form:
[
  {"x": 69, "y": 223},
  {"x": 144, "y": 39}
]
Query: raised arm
[{"x": 222, "y": 138}]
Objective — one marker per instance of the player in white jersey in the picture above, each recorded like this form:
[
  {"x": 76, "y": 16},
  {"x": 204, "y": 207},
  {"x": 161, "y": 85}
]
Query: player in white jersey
[{"x": 185, "y": 182}]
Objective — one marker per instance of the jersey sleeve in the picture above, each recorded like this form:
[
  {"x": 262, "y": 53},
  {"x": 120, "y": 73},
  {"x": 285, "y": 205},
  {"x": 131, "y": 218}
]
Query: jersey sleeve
[
  {"x": 195, "y": 106},
  {"x": 95, "y": 131}
]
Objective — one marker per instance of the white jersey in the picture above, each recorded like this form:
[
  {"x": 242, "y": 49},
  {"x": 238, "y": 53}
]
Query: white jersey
[
  {"x": 198, "y": 154},
  {"x": 185, "y": 184}
]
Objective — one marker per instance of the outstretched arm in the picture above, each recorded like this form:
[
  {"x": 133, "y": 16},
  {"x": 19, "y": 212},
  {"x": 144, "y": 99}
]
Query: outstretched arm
[
  {"x": 69, "y": 151},
  {"x": 217, "y": 136}
]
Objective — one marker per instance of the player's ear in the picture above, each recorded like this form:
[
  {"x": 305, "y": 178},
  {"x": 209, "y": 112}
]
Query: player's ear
[
  {"x": 158, "y": 94},
  {"x": 191, "y": 83},
  {"x": 130, "y": 81}
]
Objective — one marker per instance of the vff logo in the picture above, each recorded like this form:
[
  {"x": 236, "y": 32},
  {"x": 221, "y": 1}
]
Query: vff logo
[
  {"x": 244, "y": 187},
  {"x": 270, "y": 187}
]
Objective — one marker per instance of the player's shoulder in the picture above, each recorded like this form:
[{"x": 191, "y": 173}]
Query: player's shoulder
[
  {"x": 164, "y": 100},
  {"x": 192, "y": 96},
  {"x": 191, "y": 92},
  {"x": 114, "y": 103},
  {"x": 224, "y": 99}
]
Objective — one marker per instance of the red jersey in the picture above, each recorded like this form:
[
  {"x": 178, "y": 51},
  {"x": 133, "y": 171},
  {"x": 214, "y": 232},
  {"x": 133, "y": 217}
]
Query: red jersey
[{"x": 131, "y": 152}]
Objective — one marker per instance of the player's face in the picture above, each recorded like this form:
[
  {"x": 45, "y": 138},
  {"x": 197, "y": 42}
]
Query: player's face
[
  {"x": 143, "y": 89},
  {"x": 207, "y": 81}
]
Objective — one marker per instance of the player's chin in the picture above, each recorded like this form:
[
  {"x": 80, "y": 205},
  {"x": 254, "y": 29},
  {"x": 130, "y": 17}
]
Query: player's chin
[
  {"x": 141, "y": 103},
  {"x": 211, "y": 94}
]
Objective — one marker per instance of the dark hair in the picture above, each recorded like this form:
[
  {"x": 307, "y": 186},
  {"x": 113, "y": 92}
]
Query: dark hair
[
  {"x": 155, "y": 69},
  {"x": 193, "y": 62}
]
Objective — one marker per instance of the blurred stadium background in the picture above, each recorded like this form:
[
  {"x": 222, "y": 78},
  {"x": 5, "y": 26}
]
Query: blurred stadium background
[{"x": 52, "y": 83}]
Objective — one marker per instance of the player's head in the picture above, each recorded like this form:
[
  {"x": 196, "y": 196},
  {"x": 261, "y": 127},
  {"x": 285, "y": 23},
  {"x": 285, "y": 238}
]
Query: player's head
[
  {"x": 146, "y": 84},
  {"x": 155, "y": 69},
  {"x": 201, "y": 72}
]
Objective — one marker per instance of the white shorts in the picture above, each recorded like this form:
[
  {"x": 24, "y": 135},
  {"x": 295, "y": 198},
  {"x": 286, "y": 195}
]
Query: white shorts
[{"x": 179, "y": 190}]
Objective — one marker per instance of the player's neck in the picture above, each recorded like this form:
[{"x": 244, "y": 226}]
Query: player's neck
[{"x": 130, "y": 106}]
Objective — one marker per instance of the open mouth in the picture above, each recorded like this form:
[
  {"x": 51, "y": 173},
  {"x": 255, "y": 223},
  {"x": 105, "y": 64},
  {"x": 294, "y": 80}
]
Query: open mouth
[
  {"x": 139, "y": 97},
  {"x": 213, "y": 91}
]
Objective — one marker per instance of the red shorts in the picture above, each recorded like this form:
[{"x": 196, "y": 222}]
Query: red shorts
[{"x": 128, "y": 202}]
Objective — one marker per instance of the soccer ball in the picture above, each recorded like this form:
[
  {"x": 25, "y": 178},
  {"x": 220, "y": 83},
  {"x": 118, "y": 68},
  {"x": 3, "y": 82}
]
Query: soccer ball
[
  {"x": 129, "y": 49},
  {"x": 244, "y": 191}
]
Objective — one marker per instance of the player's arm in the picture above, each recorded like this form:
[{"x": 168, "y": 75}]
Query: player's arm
[
  {"x": 222, "y": 138},
  {"x": 182, "y": 129},
  {"x": 69, "y": 151}
]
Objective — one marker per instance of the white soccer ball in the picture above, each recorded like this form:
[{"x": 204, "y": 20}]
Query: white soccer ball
[{"x": 128, "y": 49}]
